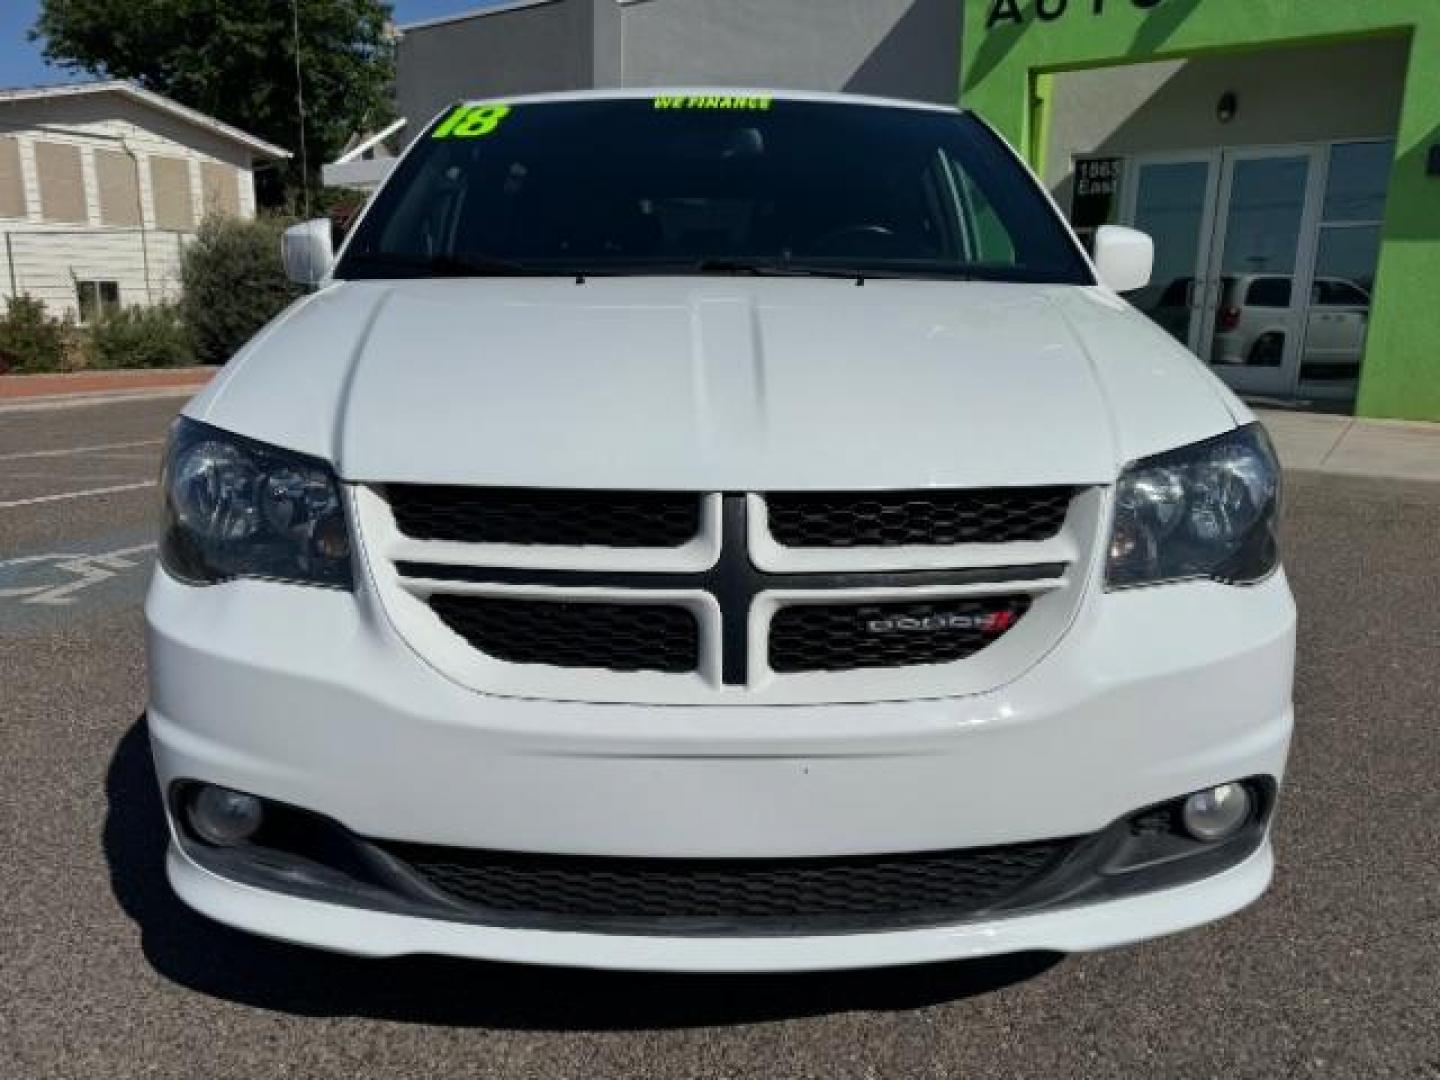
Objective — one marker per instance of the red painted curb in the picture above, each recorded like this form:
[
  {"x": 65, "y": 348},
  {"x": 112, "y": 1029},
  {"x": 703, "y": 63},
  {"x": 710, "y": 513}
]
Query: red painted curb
[{"x": 13, "y": 387}]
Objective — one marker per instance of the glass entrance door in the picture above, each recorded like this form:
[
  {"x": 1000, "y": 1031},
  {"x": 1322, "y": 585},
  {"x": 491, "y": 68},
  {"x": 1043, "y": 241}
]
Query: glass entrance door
[
  {"x": 1234, "y": 235},
  {"x": 1257, "y": 287},
  {"x": 1172, "y": 198}
]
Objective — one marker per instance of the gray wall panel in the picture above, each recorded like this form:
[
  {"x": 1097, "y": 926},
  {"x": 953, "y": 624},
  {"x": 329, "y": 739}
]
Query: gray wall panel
[
  {"x": 900, "y": 48},
  {"x": 526, "y": 49}
]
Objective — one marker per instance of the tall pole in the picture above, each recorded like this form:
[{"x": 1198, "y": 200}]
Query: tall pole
[{"x": 300, "y": 107}]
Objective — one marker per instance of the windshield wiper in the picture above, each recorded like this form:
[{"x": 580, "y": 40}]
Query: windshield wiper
[
  {"x": 773, "y": 268},
  {"x": 440, "y": 265},
  {"x": 792, "y": 268}
]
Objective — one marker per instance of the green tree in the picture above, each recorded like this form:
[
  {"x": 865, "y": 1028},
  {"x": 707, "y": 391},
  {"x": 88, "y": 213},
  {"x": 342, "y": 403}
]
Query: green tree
[
  {"x": 234, "y": 284},
  {"x": 236, "y": 61},
  {"x": 30, "y": 340}
]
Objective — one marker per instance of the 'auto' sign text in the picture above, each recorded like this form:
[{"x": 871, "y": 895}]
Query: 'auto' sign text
[{"x": 1008, "y": 11}]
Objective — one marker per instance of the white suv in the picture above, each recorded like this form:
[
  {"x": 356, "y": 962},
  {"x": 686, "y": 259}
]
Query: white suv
[{"x": 715, "y": 531}]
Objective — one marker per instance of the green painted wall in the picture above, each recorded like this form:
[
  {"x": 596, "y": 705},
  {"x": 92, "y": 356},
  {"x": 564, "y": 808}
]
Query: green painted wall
[{"x": 1005, "y": 69}]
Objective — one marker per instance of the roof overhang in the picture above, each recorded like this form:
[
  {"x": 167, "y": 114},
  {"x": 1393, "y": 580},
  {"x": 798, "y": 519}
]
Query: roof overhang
[
  {"x": 363, "y": 175},
  {"x": 259, "y": 147}
]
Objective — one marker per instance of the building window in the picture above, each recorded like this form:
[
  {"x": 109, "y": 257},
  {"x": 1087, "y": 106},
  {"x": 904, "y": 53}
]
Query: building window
[
  {"x": 97, "y": 298},
  {"x": 220, "y": 185},
  {"x": 62, "y": 183},
  {"x": 12, "y": 183},
  {"x": 170, "y": 186},
  {"x": 1347, "y": 253},
  {"x": 119, "y": 184}
]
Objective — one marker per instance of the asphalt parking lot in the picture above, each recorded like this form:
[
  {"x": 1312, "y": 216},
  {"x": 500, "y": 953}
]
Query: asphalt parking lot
[{"x": 1336, "y": 972}]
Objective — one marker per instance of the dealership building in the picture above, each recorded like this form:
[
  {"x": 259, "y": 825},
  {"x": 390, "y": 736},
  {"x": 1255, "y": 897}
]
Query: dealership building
[{"x": 1284, "y": 154}]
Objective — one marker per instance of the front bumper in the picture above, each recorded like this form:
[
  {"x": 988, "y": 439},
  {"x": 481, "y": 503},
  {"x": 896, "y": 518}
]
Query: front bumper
[
  {"x": 308, "y": 697},
  {"x": 363, "y": 932}
]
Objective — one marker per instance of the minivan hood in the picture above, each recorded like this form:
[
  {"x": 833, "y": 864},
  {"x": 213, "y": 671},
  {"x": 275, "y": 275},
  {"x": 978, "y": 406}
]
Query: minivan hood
[{"x": 712, "y": 384}]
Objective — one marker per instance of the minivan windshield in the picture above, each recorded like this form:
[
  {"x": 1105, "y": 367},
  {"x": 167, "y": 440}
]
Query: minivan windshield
[{"x": 711, "y": 185}]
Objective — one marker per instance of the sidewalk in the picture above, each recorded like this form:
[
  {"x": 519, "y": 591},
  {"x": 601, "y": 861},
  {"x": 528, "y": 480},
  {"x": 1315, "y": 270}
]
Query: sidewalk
[
  {"x": 101, "y": 385},
  {"x": 1345, "y": 445}
]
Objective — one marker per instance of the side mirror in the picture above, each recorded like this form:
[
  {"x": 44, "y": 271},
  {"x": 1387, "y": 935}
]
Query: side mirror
[
  {"x": 1124, "y": 258},
  {"x": 308, "y": 252}
]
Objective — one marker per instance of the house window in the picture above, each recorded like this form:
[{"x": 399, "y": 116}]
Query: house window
[
  {"x": 119, "y": 183},
  {"x": 62, "y": 183},
  {"x": 170, "y": 187},
  {"x": 97, "y": 298},
  {"x": 12, "y": 183},
  {"x": 220, "y": 186}
]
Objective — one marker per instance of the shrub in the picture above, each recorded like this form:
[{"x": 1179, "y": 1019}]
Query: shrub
[
  {"x": 139, "y": 337},
  {"x": 234, "y": 283},
  {"x": 30, "y": 340}
]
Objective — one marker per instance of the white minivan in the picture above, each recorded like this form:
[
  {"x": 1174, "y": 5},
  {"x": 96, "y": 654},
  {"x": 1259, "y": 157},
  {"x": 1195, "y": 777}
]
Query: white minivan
[{"x": 717, "y": 531}]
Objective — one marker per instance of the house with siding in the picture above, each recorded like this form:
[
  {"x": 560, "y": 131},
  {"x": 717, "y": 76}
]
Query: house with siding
[{"x": 101, "y": 186}]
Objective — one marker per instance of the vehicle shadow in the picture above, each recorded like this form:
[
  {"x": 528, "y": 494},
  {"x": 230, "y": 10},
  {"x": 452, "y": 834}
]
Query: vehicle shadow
[{"x": 213, "y": 959}]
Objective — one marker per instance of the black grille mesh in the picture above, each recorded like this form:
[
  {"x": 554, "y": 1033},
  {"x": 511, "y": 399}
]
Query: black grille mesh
[
  {"x": 872, "y": 889},
  {"x": 1157, "y": 821},
  {"x": 843, "y": 637},
  {"x": 896, "y": 518},
  {"x": 626, "y": 519},
  {"x": 615, "y": 637}
]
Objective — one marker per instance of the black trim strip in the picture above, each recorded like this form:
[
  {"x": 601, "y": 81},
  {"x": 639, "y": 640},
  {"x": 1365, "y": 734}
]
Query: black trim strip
[
  {"x": 734, "y": 581},
  {"x": 301, "y": 853},
  {"x": 706, "y": 580}
]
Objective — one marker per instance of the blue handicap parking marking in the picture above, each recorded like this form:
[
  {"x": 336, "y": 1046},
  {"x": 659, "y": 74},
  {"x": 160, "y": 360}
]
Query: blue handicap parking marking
[{"x": 39, "y": 589}]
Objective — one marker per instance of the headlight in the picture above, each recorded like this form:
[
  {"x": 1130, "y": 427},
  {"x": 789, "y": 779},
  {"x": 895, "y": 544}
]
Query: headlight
[
  {"x": 236, "y": 508},
  {"x": 1204, "y": 511}
]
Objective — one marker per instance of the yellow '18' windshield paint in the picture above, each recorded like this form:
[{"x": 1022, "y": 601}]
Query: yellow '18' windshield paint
[
  {"x": 714, "y": 101},
  {"x": 471, "y": 121}
]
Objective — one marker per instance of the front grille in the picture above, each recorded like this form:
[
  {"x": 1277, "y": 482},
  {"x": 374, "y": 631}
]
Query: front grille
[
  {"x": 843, "y": 637},
  {"x": 756, "y": 894},
  {"x": 614, "y": 637},
  {"x": 929, "y": 518},
  {"x": 756, "y": 615},
  {"x": 622, "y": 519}
]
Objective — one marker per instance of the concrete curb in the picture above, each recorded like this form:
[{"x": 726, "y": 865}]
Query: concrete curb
[{"x": 50, "y": 386}]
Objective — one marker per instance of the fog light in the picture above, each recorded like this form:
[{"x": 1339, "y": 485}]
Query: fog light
[
  {"x": 1217, "y": 813},
  {"x": 224, "y": 817}
]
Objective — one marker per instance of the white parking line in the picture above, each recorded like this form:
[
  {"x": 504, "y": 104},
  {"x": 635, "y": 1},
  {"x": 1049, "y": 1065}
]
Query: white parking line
[
  {"x": 114, "y": 474},
  {"x": 81, "y": 450},
  {"x": 35, "y": 500}
]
